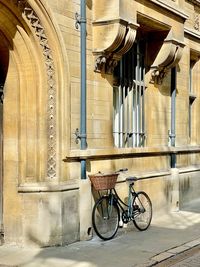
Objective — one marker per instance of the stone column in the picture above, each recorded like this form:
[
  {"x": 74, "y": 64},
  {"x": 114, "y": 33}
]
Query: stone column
[{"x": 85, "y": 206}]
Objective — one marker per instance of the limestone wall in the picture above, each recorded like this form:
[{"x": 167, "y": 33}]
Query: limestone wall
[{"x": 45, "y": 202}]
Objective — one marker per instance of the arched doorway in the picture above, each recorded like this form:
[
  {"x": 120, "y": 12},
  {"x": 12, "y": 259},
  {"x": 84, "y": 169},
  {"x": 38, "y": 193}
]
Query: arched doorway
[
  {"x": 22, "y": 113},
  {"x": 29, "y": 122}
]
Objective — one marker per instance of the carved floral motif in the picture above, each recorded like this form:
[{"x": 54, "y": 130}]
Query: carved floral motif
[
  {"x": 35, "y": 23},
  {"x": 196, "y": 21}
]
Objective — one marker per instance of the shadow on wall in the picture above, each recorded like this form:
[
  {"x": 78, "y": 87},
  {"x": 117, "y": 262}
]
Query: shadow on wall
[
  {"x": 189, "y": 193},
  {"x": 192, "y": 206},
  {"x": 89, "y": 4},
  {"x": 52, "y": 220}
]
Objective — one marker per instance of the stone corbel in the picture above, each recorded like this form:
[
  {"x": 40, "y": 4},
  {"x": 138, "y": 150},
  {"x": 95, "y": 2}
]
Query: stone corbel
[
  {"x": 112, "y": 39},
  {"x": 168, "y": 56},
  {"x": 127, "y": 43}
]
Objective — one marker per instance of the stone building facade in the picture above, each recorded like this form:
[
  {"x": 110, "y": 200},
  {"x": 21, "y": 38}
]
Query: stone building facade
[{"x": 143, "y": 105}]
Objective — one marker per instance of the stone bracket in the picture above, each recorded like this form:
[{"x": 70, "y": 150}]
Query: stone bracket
[
  {"x": 168, "y": 56},
  {"x": 110, "y": 52}
]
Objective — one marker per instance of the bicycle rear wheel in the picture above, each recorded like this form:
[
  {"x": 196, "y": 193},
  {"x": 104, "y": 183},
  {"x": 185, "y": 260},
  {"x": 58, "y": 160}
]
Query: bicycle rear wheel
[
  {"x": 142, "y": 211},
  {"x": 105, "y": 218}
]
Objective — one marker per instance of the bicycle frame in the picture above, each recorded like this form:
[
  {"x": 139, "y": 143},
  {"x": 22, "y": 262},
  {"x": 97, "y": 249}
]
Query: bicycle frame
[{"x": 131, "y": 194}]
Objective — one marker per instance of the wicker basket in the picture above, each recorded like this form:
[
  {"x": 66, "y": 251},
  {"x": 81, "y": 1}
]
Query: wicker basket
[{"x": 102, "y": 181}]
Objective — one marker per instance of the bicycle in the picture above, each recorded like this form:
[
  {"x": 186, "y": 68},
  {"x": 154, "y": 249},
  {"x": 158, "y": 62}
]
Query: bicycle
[{"x": 106, "y": 211}]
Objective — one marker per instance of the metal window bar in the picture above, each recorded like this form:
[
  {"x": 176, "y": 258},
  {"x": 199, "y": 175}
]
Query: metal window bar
[
  {"x": 143, "y": 108},
  {"x": 129, "y": 101},
  {"x": 190, "y": 102}
]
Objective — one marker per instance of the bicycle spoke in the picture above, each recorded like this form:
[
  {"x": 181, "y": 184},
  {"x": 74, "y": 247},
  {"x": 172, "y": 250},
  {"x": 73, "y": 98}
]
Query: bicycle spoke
[
  {"x": 105, "y": 218},
  {"x": 142, "y": 214}
]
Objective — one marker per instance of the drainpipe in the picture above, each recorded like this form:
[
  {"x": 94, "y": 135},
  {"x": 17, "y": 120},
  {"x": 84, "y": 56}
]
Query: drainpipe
[
  {"x": 174, "y": 171},
  {"x": 83, "y": 111},
  {"x": 173, "y": 115}
]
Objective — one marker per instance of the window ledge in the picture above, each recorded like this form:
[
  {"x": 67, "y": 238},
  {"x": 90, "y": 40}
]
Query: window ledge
[{"x": 117, "y": 153}]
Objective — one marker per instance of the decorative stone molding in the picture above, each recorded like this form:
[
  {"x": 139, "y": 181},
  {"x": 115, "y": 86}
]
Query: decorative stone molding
[
  {"x": 193, "y": 33},
  {"x": 128, "y": 42},
  {"x": 172, "y": 7},
  {"x": 36, "y": 24},
  {"x": 168, "y": 56},
  {"x": 195, "y": 2},
  {"x": 114, "y": 31},
  {"x": 110, "y": 49},
  {"x": 196, "y": 21}
]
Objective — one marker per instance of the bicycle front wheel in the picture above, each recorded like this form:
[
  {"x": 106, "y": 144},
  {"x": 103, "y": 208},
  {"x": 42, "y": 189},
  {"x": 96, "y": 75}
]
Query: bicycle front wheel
[
  {"x": 105, "y": 218},
  {"x": 142, "y": 211}
]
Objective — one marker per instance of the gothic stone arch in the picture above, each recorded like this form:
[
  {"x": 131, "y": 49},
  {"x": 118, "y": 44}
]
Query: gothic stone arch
[{"x": 30, "y": 128}]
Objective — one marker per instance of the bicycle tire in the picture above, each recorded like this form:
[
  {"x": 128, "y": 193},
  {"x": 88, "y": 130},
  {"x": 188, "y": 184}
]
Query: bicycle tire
[
  {"x": 105, "y": 218},
  {"x": 142, "y": 211}
]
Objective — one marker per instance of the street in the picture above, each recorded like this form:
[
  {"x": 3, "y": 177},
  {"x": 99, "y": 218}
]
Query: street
[{"x": 190, "y": 258}]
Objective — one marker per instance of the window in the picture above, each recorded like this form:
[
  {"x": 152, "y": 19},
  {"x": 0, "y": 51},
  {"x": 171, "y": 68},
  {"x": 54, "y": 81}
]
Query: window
[{"x": 128, "y": 99}]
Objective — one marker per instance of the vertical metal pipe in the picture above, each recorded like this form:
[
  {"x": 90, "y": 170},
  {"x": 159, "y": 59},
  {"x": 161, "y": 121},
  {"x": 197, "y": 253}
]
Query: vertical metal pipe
[
  {"x": 118, "y": 112},
  {"x": 121, "y": 104},
  {"x": 190, "y": 106},
  {"x": 83, "y": 86},
  {"x": 120, "y": 116},
  {"x": 123, "y": 115},
  {"x": 133, "y": 95},
  {"x": 143, "y": 101},
  {"x": 117, "y": 126},
  {"x": 129, "y": 106},
  {"x": 173, "y": 114},
  {"x": 139, "y": 99},
  {"x": 137, "y": 96}
]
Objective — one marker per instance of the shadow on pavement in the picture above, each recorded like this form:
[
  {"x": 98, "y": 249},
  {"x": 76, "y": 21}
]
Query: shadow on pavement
[{"x": 129, "y": 248}]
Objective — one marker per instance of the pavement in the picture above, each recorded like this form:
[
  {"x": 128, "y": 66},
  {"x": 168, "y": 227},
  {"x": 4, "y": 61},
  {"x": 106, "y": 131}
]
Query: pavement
[{"x": 168, "y": 235}]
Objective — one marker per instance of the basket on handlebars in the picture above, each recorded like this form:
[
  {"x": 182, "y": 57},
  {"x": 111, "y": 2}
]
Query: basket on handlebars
[{"x": 102, "y": 181}]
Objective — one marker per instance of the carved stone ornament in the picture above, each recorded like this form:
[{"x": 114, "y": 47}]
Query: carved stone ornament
[
  {"x": 168, "y": 56},
  {"x": 118, "y": 39},
  {"x": 196, "y": 21},
  {"x": 35, "y": 23},
  {"x": 114, "y": 30}
]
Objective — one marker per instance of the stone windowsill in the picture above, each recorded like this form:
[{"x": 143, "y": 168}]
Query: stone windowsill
[{"x": 117, "y": 153}]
